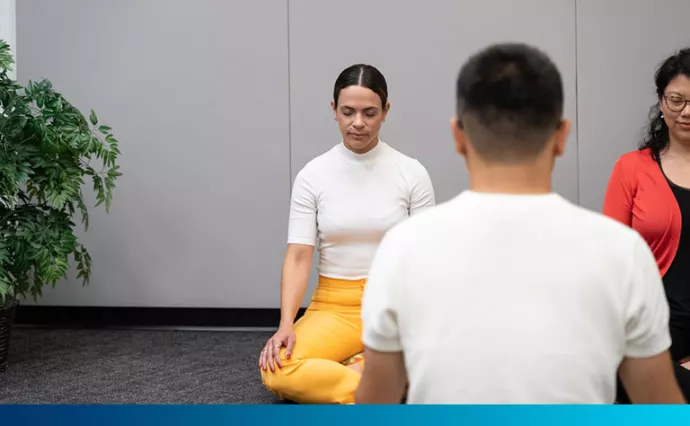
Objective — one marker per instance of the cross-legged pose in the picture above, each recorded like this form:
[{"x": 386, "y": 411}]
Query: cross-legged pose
[
  {"x": 344, "y": 201},
  {"x": 509, "y": 293},
  {"x": 649, "y": 190}
]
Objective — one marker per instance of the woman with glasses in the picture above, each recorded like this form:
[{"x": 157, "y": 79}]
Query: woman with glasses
[{"x": 649, "y": 190}]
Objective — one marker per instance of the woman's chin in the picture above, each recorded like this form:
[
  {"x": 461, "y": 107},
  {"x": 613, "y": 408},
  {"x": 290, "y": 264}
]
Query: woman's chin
[{"x": 360, "y": 145}]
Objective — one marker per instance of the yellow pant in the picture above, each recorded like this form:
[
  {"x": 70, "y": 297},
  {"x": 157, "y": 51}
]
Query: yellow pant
[{"x": 327, "y": 334}]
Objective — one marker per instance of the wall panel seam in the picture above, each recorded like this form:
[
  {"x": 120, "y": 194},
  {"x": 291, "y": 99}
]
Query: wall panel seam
[
  {"x": 289, "y": 79},
  {"x": 577, "y": 112}
]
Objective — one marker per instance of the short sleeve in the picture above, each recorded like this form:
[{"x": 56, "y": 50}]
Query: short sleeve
[
  {"x": 618, "y": 200},
  {"x": 381, "y": 299},
  {"x": 302, "y": 224},
  {"x": 422, "y": 190},
  {"x": 647, "y": 313}
]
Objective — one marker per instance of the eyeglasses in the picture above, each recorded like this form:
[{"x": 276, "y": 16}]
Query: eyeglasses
[{"x": 676, "y": 103}]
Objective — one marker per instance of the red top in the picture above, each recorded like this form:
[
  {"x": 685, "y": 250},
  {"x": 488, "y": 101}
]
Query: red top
[{"x": 639, "y": 196}]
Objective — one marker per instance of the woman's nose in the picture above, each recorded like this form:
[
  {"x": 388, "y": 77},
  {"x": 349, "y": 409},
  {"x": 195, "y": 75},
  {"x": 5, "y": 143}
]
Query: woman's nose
[{"x": 685, "y": 112}]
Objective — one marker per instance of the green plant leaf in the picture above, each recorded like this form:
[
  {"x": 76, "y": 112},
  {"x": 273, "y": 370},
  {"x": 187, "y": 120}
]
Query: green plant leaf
[
  {"x": 83, "y": 211},
  {"x": 93, "y": 118},
  {"x": 6, "y": 60}
]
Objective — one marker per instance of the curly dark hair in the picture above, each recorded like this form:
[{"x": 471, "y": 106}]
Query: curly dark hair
[{"x": 656, "y": 136}]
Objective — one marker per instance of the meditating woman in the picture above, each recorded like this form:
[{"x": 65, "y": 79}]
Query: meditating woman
[
  {"x": 344, "y": 200},
  {"x": 649, "y": 190}
]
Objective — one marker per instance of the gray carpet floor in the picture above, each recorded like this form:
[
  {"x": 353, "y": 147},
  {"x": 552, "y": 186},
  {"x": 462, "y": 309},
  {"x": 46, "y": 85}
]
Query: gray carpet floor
[{"x": 134, "y": 367}]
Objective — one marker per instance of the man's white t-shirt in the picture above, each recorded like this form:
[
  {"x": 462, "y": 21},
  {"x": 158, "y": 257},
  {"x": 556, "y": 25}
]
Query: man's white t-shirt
[
  {"x": 346, "y": 202},
  {"x": 498, "y": 298}
]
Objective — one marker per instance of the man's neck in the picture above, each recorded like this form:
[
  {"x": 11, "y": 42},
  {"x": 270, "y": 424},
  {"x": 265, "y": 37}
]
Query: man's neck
[{"x": 511, "y": 180}]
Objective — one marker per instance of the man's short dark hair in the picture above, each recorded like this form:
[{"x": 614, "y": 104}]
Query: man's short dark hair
[{"x": 509, "y": 101}]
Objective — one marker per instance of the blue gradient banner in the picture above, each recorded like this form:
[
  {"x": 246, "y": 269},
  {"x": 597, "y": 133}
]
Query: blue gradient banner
[{"x": 304, "y": 415}]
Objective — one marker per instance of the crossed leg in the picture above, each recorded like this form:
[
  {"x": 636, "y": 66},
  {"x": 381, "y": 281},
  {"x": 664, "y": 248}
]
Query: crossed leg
[{"x": 314, "y": 374}]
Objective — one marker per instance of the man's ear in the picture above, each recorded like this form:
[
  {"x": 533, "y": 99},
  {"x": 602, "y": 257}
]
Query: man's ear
[
  {"x": 333, "y": 107},
  {"x": 562, "y": 133},
  {"x": 459, "y": 136}
]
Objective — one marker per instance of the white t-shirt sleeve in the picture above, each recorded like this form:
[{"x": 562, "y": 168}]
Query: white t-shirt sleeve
[
  {"x": 302, "y": 224},
  {"x": 647, "y": 313},
  {"x": 381, "y": 299},
  {"x": 422, "y": 190}
]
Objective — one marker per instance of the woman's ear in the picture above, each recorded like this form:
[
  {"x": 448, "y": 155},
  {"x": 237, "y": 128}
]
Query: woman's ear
[
  {"x": 385, "y": 111},
  {"x": 662, "y": 106}
]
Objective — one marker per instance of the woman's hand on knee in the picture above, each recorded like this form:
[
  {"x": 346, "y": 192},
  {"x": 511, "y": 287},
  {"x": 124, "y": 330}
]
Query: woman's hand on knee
[{"x": 270, "y": 355}]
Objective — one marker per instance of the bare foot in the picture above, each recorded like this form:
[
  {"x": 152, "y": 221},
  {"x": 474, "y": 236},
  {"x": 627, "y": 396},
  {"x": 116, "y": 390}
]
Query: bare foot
[{"x": 357, "y": 366}]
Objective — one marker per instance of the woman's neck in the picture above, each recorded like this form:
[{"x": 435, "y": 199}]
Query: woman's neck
[{"x": 678, "y": 149}]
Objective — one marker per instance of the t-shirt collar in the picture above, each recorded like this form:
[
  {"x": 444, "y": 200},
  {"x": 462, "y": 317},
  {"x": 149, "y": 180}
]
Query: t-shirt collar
[{"x": 367, "y": 156}]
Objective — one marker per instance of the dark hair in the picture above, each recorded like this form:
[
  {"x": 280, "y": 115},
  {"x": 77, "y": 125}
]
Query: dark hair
[
  {"x": 509, "y": 101},
  {"x": 362, "y": 75},
  {"x": 656, "y": 136}
]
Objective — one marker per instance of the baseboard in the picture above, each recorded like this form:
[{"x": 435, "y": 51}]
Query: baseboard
[{"x": 105, "y": 317}]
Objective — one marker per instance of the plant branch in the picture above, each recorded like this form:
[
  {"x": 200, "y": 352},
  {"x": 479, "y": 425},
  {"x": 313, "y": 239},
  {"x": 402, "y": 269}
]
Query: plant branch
[{"x": 46, "y": 150}]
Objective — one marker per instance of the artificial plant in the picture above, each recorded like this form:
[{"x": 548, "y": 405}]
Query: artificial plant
[{"x": 47, "y": 152}]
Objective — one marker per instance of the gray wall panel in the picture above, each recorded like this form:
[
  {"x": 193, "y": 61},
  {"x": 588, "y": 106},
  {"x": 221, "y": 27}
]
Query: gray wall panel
[
  {"x": 419, "y": 47},
  {"x": 620, "y": 43},
  {"x": 197, "y": 93}
]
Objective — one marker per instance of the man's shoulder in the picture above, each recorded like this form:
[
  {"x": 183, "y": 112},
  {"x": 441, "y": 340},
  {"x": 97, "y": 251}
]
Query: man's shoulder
[
  {"x": 424, "y": 223},
  {"x": 593, "y": 222},
  {"x": 590, "y": 234},
  {"x": 568, "y": 220}
]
